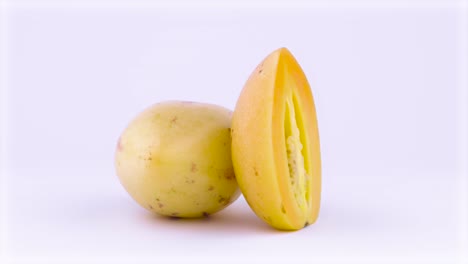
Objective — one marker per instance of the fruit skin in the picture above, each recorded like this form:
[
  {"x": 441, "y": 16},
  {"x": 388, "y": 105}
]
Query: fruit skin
[
  {"x": 259, "y": 151},
  {"x": 174, "y": 159}
]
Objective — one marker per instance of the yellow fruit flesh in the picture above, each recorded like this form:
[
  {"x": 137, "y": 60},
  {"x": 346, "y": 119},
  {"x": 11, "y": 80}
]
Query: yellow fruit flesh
[
  {"x": 297, "y": 173},
  {"x": 275, "y": 148}
]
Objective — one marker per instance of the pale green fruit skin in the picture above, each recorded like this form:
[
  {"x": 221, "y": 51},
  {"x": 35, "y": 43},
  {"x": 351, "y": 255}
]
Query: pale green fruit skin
[{"x": 174, "y": 159}]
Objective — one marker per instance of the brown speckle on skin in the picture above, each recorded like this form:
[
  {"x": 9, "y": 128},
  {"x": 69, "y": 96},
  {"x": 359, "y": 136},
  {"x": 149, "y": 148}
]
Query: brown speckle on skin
[
  {"x": 119, "y": 144},
  {"x": 160, "y": 205},
  {"x": 229, "y": 175},
  {"x": 150, "y": 207},
  {"x": 157, "y": 199},
  {"x": 306, "y": 224},
  {"x": 221, "y": 199},
  {"x": 174, "y": 120},
  {"x": 260, "y": 68},
  {"x": 205, "y": 214},
  {"x": 255, "y": 171},
  {"x": 194, "y": 167},
  {"x": 174, "y": 214},
  {"x": 266, "y": 218},
  {"x": 282, "y": 209},
  {"x": 210, "y": 188}
]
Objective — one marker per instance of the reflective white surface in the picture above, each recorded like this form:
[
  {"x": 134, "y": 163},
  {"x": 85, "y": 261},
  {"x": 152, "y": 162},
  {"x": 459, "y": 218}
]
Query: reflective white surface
[{"x": 386, "y": 83}]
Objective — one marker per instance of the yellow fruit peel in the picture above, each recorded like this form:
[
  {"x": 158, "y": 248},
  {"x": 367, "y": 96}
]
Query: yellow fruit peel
[{"x": 275, "y": 144}]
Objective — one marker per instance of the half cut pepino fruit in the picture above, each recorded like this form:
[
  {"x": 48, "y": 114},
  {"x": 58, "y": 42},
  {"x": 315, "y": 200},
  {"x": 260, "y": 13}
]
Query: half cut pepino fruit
[{"x": 275, "y": 144}]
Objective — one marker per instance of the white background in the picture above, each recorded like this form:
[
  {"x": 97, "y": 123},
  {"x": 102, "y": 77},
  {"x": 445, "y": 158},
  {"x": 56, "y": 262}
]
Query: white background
[{"x": 389, "y": 84}]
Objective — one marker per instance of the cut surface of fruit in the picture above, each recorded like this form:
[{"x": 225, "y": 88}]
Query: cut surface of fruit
[{"x": 275, "y": 144}]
